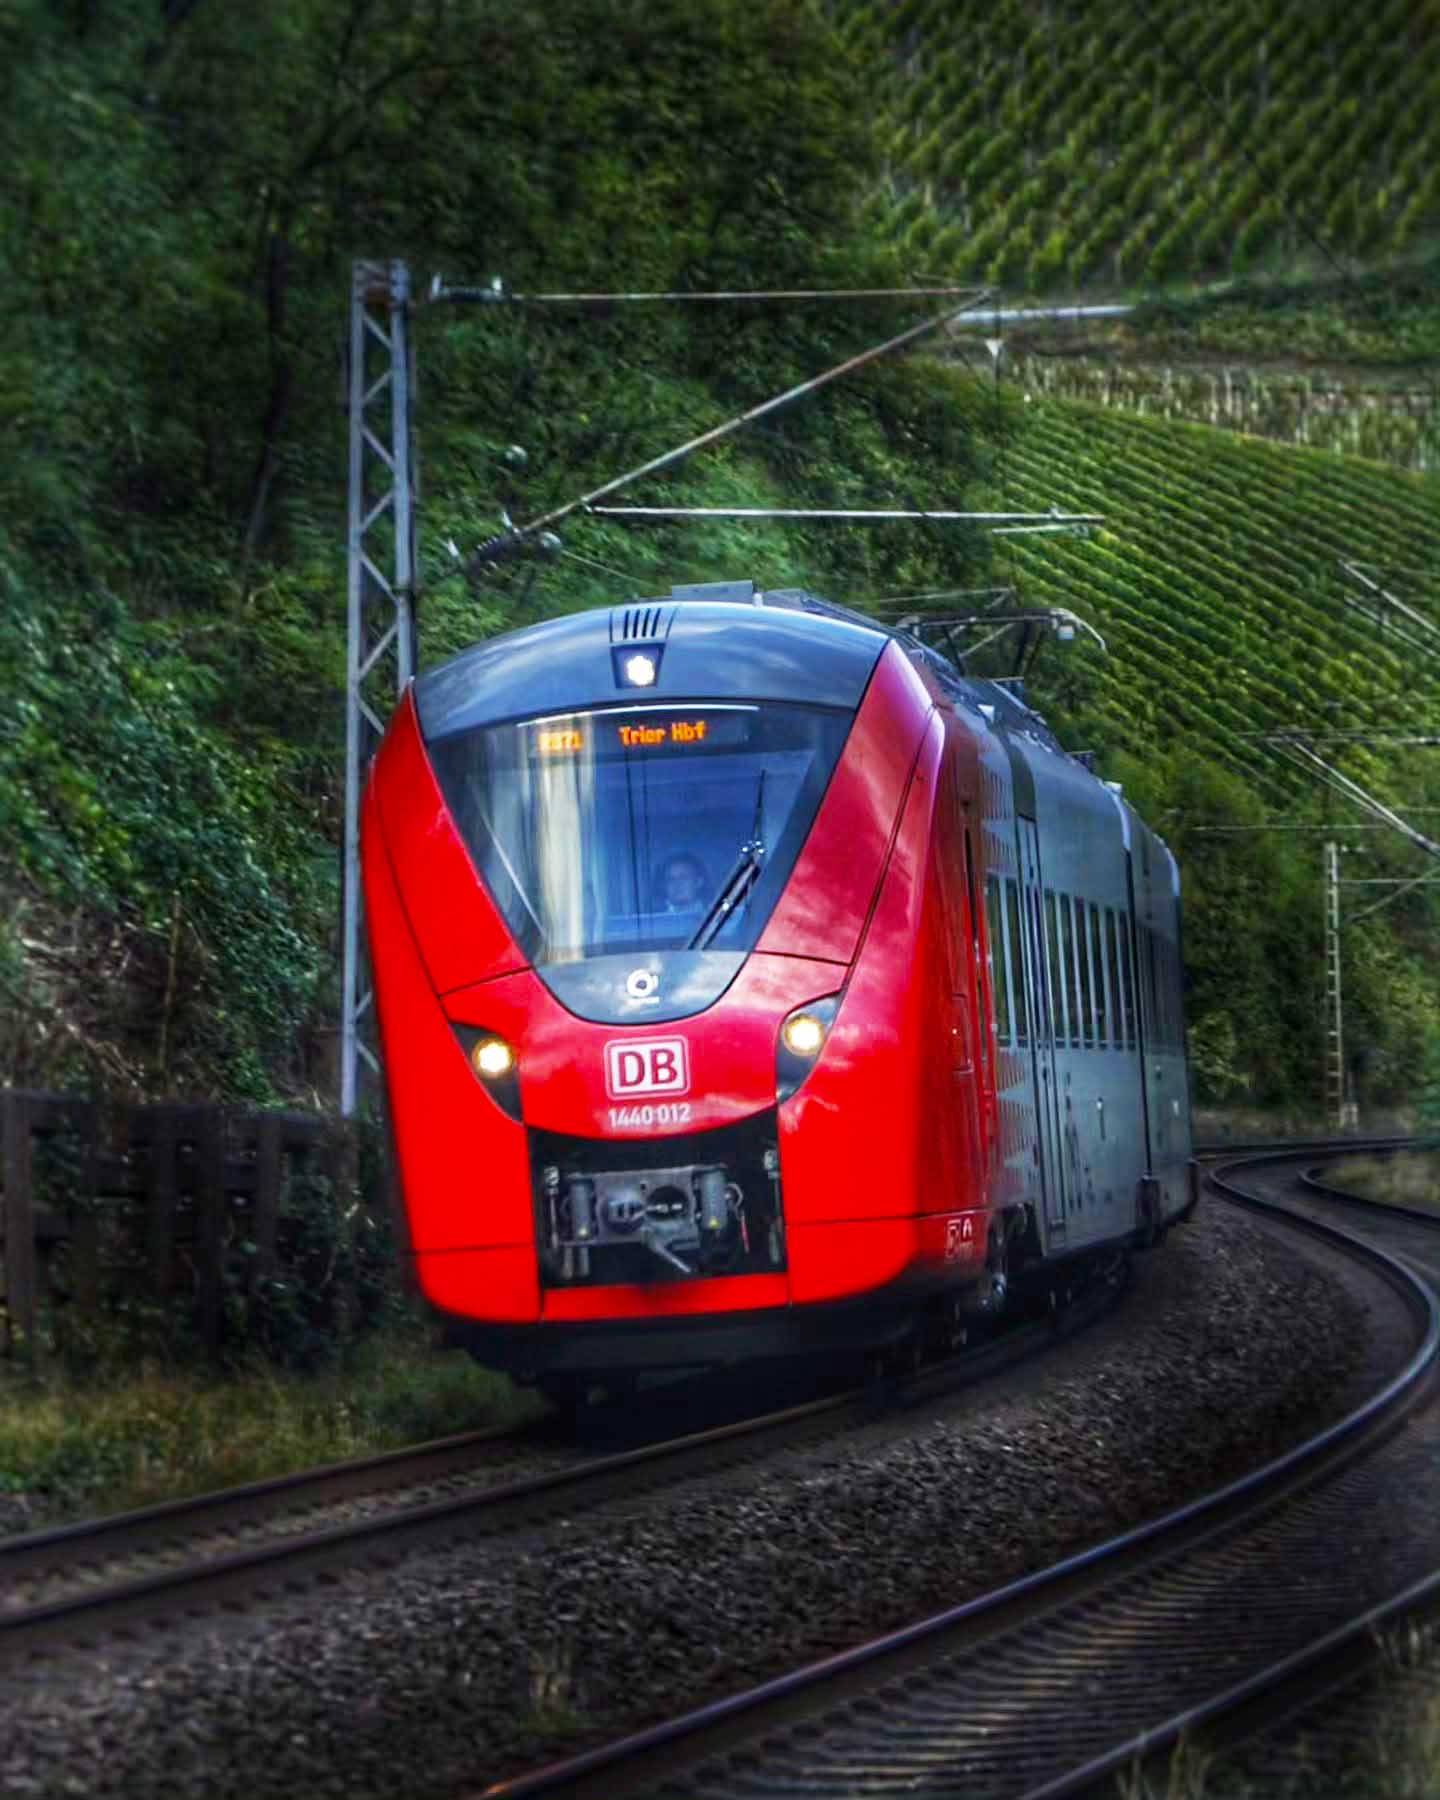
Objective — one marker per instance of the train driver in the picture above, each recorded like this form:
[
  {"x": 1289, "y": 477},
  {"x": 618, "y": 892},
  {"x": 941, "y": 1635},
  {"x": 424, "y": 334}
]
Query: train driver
[{"x": 682, "y": 884}]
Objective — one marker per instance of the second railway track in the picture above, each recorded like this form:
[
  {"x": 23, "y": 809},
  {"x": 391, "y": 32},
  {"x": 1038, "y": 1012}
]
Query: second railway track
[{"x": 1054, "y": 1682}]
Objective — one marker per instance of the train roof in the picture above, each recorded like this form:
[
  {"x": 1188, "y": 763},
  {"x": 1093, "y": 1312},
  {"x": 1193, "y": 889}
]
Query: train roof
[
  {"x": 722, "y": 639},
  {"x": 704, "y": 642}
]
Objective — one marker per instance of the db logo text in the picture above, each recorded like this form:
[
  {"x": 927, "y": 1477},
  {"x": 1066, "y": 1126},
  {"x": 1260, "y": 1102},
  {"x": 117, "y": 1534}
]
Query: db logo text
[{"x": 647, "y": 1066}]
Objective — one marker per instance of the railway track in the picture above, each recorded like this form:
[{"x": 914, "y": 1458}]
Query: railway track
[
  {"x": 77, "y": 1585},
  {"x": 1054, "y": 1683}
]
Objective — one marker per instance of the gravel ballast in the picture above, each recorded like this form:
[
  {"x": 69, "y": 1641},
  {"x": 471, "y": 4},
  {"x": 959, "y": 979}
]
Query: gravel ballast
[{"x": 460, "y": 1667}]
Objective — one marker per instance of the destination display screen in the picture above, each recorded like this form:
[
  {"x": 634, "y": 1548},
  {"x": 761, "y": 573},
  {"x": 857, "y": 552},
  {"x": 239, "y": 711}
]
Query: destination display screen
[{"x": 649, "y": 733}]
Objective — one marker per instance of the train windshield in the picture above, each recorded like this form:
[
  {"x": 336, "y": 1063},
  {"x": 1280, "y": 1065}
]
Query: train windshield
[{"x": 651, "y": 827}]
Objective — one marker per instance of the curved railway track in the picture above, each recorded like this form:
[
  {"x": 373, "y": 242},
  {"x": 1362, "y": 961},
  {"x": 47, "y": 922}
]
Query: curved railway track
[
  {"x": 1053, "y": 1683},
  {"x": 75, "y": 1585}
]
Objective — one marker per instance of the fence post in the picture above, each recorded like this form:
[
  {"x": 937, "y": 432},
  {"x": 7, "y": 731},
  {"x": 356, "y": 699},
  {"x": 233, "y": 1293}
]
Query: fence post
[
  {"x": 20, "y": 1291},
  {"x": 83, "y": 1117},
  {"x": 209, "y": 1223},
  {"x": 269, "y": 1173},
  {"x": 344, "y": 1170},
  {"x": 161, "y": 1193}
]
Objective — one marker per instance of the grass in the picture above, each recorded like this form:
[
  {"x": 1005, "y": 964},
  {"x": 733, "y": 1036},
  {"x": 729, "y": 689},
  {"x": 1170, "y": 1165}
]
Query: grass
[
  {"x": 72, "y": 1447},
  {"x": 1409, "y": 1178},
  {"x": 1256, "y": 1124},
  {"x": 1399, "y": 1760}
]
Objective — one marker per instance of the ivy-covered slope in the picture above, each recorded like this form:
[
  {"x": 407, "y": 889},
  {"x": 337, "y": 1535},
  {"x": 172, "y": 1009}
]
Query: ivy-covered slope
[{"x": 171, "y": 510}]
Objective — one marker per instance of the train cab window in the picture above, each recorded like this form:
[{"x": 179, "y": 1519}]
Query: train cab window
[
  {"x": 1112, "y": 963},
  {"x": 995, "y": 961},
  {"x": 1018, "y": 989},
  {"x": 1097, "y": 965},
  {"x": 1082, "y": 958},
  {"x": 582, "y": 825},
  {"x": 1127, "y": 979},
  {"x": 1060, "y": 1023}
]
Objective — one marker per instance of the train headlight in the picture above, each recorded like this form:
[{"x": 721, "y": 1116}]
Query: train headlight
[
  {"x": 802, "y": 1038},
  {"x": 803, "y": 1033},
  {"x": 640, "y": 670},
  {"x": 493, "y": 1059}
]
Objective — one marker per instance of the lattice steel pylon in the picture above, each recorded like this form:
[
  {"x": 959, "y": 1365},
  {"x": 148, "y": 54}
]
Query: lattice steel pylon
[
  {"x": 1338, "y": 1110},
  {"x": 381, "y": 571}
]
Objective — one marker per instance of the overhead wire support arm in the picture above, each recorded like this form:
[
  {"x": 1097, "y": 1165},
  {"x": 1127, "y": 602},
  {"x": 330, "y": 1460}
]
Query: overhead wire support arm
[
  {"x": 1384, "y": 599},
  {"x": 497, "y": 294},
  {"x": 1306, "y": 758},
  {"x": 1060, "y": 617},
  {"x": 506, "y": 543},
  {"x": 859, "y": 514}
]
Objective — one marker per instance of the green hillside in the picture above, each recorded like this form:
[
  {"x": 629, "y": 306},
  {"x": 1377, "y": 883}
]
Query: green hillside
[
  {"x": 1055, "y": 145},
  {"x": 1216, "y": 581},
  {"x": 1216, "y": 585},
  {"x": 172, "y": 507}
]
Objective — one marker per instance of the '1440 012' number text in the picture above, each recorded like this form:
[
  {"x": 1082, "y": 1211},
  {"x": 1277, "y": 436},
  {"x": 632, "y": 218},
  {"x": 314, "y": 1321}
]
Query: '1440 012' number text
[{"x": 633, "y": 1118}]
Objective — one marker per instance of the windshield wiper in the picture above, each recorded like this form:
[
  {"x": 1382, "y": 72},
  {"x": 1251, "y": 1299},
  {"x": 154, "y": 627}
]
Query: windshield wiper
[
  {"x": 744, "y": 873},
  {"x": 742, "y": 877}
]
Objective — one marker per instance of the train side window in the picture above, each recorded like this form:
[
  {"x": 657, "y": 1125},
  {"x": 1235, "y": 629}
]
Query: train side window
[
  {"x": 1117, "y": 1028},
  {"x": 1127, "y": 976},
  {"x": 995, "y": 960},
  {"x": 1060, "y": 1023},
  {"x": 1082, "y": 957},
  {"x": 1097, "y": 965},
  {"x": 1044, "y": 1024},
  {"x": 1017, "y": 962},
  {"x": 1067, "y": 969}
]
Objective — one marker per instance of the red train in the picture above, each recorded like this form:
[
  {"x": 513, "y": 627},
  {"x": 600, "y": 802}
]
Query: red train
[{"x": 750, "y": 980}]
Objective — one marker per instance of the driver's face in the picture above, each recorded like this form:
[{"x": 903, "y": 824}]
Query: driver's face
[{"x": 682, "y": 884}]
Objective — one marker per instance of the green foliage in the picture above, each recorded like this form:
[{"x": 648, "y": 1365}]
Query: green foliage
[
  {"x": 122, "y": 794},
  {"x": 1429, "y": 1102},
  {"x": 171, "y": 637},
  {"x": 1239, "y": 132},
  {"x": 188, "y": 188}
]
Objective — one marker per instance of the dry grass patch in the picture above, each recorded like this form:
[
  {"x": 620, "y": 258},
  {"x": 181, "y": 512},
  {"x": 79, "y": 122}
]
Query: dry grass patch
[
  {"x": 1408, "y": 1178},
  {"x": 72, "y": 1446}
]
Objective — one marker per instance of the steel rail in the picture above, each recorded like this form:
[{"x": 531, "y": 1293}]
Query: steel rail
[
  {"x": 1326, "y": 1659},
  {"x": 882, "y": 1677},
  {"x": 241, "y": 1576}
]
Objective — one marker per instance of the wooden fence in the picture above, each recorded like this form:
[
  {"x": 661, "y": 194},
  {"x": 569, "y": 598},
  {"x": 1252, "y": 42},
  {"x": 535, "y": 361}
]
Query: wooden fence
[{"x": 180, "y": 1201}]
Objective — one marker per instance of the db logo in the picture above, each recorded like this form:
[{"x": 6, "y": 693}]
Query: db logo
[
  {"x": 647, "y": 1066},
  {"x": 959, "y": 1238}
]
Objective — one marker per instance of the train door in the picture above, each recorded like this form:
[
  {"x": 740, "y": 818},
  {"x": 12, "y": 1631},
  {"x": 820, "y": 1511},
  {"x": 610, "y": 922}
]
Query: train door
[{"x": 1038, "y": 981}]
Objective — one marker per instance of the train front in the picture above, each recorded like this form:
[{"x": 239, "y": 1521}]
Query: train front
[{"x": 644, "y": 916}]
